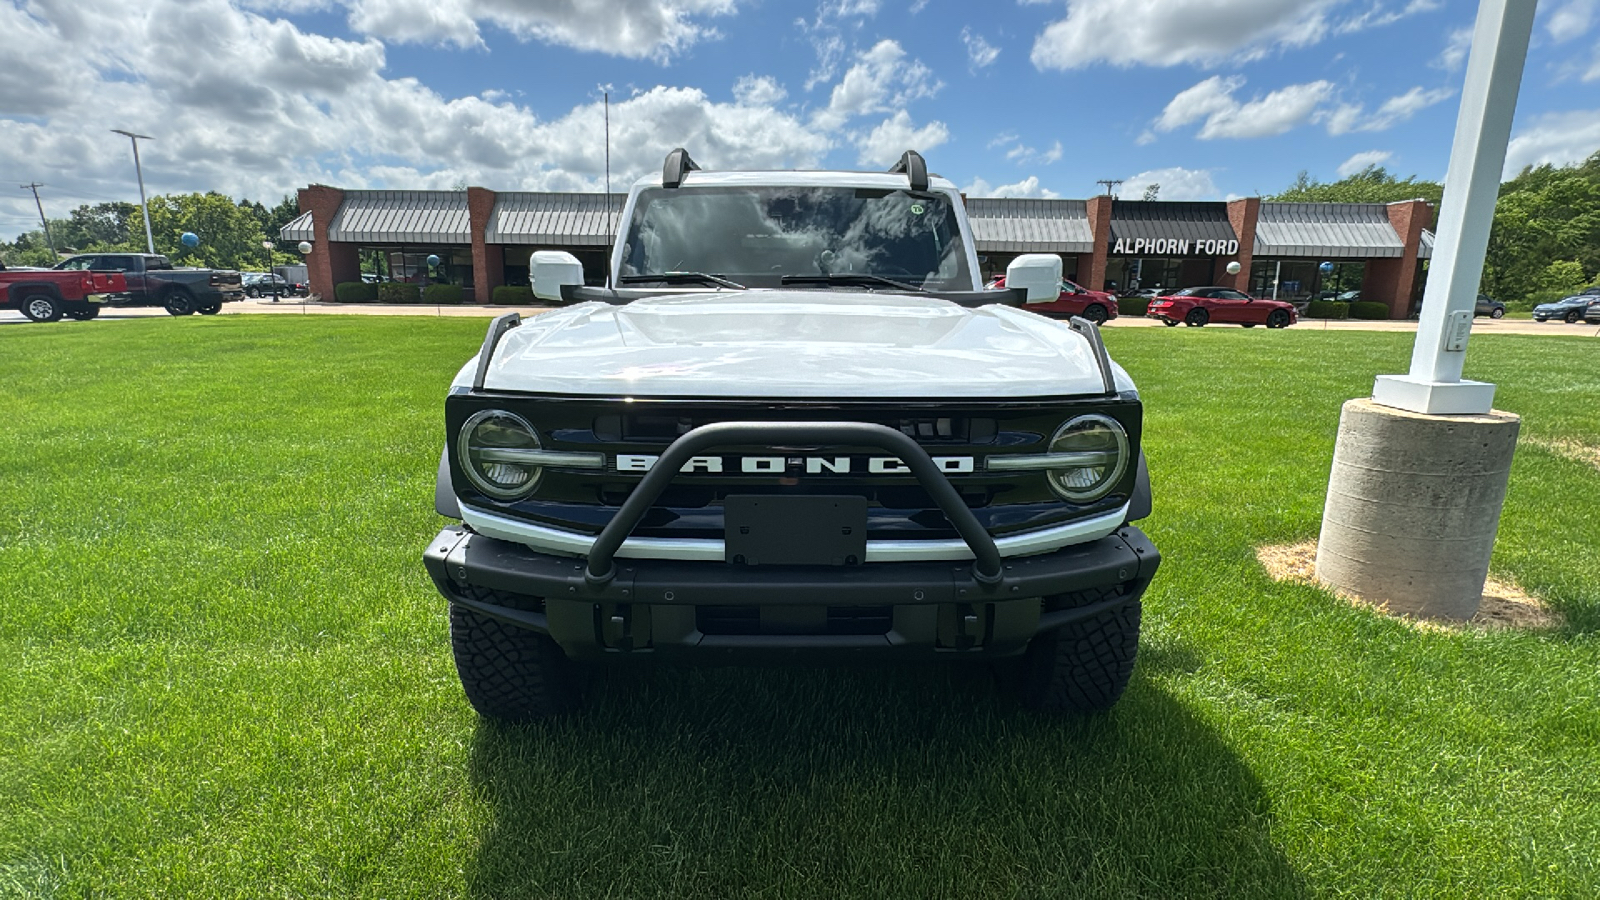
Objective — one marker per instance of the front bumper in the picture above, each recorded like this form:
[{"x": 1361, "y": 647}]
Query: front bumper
[{"x": 714, "y": 611}]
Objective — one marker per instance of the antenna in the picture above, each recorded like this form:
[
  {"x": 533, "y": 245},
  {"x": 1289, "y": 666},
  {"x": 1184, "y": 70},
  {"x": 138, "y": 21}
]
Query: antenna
[
  {"x": 611, "y": 227},
  {"x": 42, "y": 220},
  {"x": 1111, "y": 185}
]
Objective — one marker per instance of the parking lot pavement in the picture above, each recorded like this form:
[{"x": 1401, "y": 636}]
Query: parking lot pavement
[{"x": 298, "y": 306}]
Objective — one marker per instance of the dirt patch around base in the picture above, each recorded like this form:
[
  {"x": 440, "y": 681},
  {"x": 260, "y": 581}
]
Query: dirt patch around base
[
  {"x": 1504, "y": 604},
  {"x": 1576, "y": 451}
]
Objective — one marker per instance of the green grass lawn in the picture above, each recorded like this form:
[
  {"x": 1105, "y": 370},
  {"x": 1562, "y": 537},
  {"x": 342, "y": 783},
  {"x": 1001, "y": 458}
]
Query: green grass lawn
[{"x": 223, "y": 672}]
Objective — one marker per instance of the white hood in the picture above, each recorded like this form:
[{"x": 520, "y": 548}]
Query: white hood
[{"x": 794, "y": 344}]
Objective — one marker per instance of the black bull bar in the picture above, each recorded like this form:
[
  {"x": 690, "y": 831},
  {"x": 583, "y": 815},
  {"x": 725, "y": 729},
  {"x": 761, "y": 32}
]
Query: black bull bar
[{"x": 986, "y": 569}]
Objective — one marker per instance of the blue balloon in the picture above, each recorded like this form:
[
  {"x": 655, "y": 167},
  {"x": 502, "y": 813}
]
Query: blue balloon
[
  {"x": 433, "y": 259},
  {"x": 1326, "y": 268},
  {"x": 190, "y": 239}
]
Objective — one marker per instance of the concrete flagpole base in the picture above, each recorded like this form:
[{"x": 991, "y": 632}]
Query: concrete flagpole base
[{"x": 1413, "y": 506}]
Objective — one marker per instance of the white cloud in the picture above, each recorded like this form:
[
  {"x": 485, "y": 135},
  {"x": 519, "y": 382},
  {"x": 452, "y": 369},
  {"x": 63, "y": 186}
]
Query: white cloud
[
  {"x": 897, "y": 134},
  {"x": 1028, "y": 188},
  {"x": 1225, "y": 117},
  {"x": 752, "y": 90},
  {"x": 881, "y": 79},
  {"x": 1361, "y": 161},
  {"x": 1454, "y": 54},
  {"x": 259, "y": 108},
  {"x": 826, "y": 33},
  {"x": 1001, "y": 139},
  {"x": 1556, "y": 139},
  {"x": 980, "y": 53},
  {"x": 638, "y": 29},
  {"x": 1571, "y": 20},
  {"x": 1024, "y": 155},
  {"x": 1177, "y": 183},
  {"x": 1399, "y": 108}
]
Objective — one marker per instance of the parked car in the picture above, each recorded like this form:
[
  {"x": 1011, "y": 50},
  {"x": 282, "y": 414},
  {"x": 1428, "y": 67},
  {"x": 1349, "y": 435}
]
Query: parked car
[
  {"x": 1096, "y": 306},
  {"x": 1199, "y": 306},
  {"x": 45, "y": 296},
  {"x": 261, "y": 284},
  {"x": 1567, "y": 309},
  {"x": 1494, "y": 309},
  {"x": 152, "y": 281}
]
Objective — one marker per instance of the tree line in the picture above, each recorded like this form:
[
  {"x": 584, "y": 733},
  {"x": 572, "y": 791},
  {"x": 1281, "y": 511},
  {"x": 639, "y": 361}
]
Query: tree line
[
  {"x": 230, "y": 232},
  {"x": 1545, "y": 242}
]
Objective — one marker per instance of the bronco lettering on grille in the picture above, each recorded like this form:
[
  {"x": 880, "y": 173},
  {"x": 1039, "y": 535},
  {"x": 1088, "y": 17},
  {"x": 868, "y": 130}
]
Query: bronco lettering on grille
[{"x": 780, "y": 465}]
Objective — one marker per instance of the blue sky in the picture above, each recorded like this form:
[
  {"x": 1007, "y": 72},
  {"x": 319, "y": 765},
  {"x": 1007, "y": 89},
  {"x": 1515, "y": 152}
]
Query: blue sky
[{"x": 1208, "y": 98}]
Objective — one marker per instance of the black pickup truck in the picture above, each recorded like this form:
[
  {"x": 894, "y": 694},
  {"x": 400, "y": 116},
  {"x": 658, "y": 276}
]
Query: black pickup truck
[{"x": 152, "y": 281}]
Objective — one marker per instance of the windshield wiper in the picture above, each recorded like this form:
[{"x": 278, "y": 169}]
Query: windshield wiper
[
  {"x": 852, "y": 278},
  {"x": 682, "y": 278}
]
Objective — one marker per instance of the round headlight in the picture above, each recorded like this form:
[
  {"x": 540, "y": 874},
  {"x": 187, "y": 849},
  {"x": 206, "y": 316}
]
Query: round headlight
[
  {"x": 1100, "y": 447},
  {"x": 493, "y": 449}
]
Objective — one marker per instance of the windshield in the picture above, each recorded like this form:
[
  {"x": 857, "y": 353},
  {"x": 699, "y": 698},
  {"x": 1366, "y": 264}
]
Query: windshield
[{"x": 757, "y": 235}]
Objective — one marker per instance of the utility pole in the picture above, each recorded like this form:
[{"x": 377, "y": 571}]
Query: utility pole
[
  {"x": 42, "y": 220},
  {"x": 149, "y": 241},
  {"x": 1111, "y": 185}
]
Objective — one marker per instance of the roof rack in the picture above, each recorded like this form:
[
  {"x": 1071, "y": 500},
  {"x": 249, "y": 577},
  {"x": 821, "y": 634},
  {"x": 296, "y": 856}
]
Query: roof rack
[
  {"x": 915, "y": 169},
  {"x": 678, "y": 165}
]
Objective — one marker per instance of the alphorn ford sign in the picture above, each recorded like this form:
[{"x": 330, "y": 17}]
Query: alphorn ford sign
[{"x": 1173, "y": 247}]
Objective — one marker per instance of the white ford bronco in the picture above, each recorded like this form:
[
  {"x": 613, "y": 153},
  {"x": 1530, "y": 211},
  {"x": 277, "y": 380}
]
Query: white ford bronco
[{"x": 792, "y": 427}]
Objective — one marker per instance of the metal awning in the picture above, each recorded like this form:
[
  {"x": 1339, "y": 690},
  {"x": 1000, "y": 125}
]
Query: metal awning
[
  {"x": 1012, "y": 225},
  {"x": 560, "y": 220},
  {"x": 1319, "y": 230},
  {"x": 1151, "y": 220},
  {"x": 402, "y": 217},
  {"x": 299, "y": 229},
  {"x": 1425, "y": 248}
]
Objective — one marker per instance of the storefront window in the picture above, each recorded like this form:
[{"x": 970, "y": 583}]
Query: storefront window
[{"x": 1301, "y": 280}]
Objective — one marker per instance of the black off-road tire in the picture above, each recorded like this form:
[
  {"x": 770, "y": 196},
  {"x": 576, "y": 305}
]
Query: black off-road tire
[
  {"x": 1250, "y": 324},
  {"x": 179, "y": 302},
  {"x": 1083, "y": 667},
  {"x": 1278, "y": 319},
  {"x": 83, "y": 313},
  {"x": 210, "y": 309},
  {"x": 1096, "y": 313},
  {"x": 510, "y": 673},
  {"x": 1197, "y": 318},
  {"x": 42, "y": 308}
]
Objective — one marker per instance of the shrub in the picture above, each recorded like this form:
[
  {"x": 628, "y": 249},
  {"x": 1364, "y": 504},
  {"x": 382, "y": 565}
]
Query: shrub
[
  {"x": 398, "y": 292},
  {"x": 1132, "y": 306},
  {"x": 509, "y": 295},
  {"x": 1366, "y": 309},
  {"x": 443, "y": 294},
  {"x": 355, "y": 292},
  {"x": 1327, "y": 309}
]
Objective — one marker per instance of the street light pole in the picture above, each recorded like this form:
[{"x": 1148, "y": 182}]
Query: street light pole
[
  {"x": 267, "y": 246},
  {"x": 149, "y": 240},
  {"x": 1420, "y": 469},
  {"x": 1471, "y": 188}
]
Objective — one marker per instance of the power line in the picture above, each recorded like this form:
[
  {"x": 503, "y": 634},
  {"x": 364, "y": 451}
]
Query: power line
[{"x": 42, "y": 220}]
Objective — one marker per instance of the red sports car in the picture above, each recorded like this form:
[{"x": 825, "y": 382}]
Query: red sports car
[
  {"x": 1096, "y": 306},
  {"x": 1198, "y": 306}
]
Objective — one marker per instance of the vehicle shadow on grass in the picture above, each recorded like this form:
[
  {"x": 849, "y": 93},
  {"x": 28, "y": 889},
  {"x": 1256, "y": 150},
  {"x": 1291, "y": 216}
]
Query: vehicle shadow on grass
[{"x": 916, "y": 782}]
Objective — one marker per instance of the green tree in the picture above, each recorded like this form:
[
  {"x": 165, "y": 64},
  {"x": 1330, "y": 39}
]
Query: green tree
[
  {"x": 230, "y": 234},
  {"x": 29, "y": 249},
  {"x": 104, "y": 226},
  {"x": 1373, "y": 184},
  {"x": 1546, "y": 230}
]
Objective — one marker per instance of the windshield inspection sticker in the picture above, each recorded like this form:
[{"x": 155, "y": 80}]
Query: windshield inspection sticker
[{"x": 916, "y": 209}]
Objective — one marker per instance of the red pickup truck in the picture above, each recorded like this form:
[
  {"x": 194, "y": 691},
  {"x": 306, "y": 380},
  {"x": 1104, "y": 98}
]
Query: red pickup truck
[{"x": 44, "y": 295}]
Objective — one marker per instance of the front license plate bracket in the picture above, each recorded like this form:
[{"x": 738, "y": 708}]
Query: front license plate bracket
[{"x": 766, "y": 530}]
